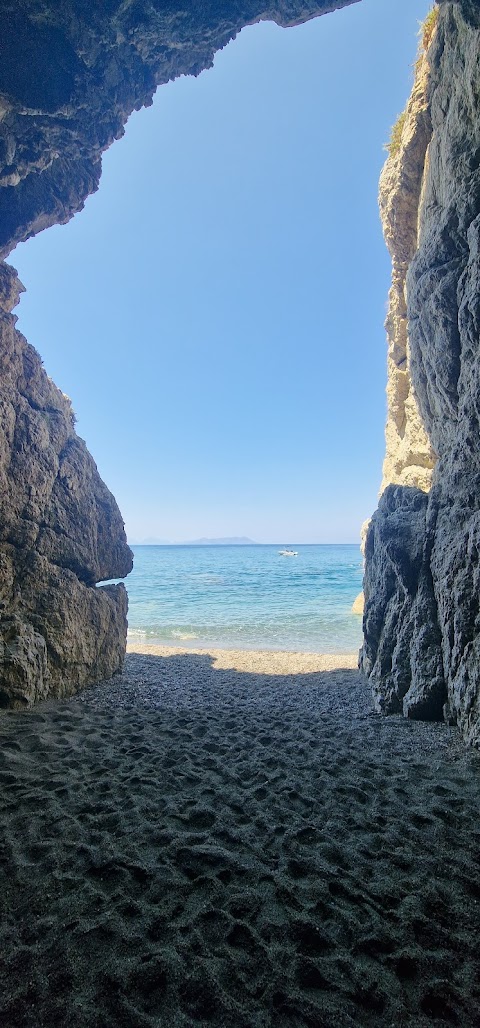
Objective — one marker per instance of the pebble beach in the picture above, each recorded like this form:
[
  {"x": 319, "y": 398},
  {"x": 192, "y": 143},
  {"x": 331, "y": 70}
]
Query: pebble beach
[{"x": 234, "y": 838}]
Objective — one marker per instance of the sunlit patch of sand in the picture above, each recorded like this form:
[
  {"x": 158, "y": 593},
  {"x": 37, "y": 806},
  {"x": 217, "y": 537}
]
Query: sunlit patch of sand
[{"x": 262, "y": 662}]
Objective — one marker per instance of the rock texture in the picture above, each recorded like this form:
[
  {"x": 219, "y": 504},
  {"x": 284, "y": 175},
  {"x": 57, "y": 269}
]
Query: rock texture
[
  {"x": 409, "y": 458},
  {"x": 402, "y": 649},
  {"x": 70, "y": 75},
  {"x": 422, "y": 579},
  {"x": 60, "y": 533}
]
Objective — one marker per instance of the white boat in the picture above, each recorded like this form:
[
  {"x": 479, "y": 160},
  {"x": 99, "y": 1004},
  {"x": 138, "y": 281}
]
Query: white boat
[{"x": 288, "y": 553}]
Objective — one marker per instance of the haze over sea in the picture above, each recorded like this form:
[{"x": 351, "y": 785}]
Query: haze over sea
[{"x": 246, "y": 597}]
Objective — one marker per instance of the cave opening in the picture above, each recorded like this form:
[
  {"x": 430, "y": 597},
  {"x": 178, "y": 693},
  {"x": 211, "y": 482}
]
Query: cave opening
[
  {"x": 204, "y": 309},
  {"x": 212, "y": 307}
]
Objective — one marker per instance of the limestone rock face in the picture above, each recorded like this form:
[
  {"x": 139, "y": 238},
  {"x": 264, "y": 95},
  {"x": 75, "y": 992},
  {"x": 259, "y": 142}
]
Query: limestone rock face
[
  {"x": 60, "y": 533},
  {"x": 438, "y": 535},
  {"x": 409, "y": 458}
]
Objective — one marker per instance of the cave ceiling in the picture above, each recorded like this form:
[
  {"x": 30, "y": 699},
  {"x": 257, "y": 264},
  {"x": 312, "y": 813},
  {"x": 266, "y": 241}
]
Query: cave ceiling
[{"x": 72, "y": 73}]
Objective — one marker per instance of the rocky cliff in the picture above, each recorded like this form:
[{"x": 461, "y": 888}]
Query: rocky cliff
[
  {"x": 60, "y": 533},
  {"x": 422, "y": 610},
  {"x": 408, "y": 454}
]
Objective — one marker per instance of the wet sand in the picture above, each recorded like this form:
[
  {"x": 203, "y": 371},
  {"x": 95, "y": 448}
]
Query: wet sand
[{"x": 236, "y": 839}]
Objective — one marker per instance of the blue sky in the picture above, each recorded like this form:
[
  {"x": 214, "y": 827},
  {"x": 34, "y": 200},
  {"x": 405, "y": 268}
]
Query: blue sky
[{"x": 216, "y": 311}]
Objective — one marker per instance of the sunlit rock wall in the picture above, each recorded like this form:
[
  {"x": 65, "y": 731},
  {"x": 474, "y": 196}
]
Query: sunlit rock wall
[
  {"x": 408, "y": 454},
  {"x": 422, "y": 578}
]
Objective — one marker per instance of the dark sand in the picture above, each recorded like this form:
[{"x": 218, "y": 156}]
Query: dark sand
[{"x": 191, "y": 845}]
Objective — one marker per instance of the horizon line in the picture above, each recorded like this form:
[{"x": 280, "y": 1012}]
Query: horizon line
[{"x": 339, "y": 542}]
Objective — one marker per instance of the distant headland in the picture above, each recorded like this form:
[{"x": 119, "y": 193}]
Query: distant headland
[{"x": 234, "y": 540}]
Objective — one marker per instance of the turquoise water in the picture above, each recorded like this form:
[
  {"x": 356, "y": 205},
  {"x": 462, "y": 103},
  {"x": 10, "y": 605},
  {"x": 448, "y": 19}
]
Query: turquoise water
[{"x": 246, "y": 597}]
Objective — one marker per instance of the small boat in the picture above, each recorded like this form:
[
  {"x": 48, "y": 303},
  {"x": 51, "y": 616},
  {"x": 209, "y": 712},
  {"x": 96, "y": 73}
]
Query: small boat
[{"x": 288, "y": 553}]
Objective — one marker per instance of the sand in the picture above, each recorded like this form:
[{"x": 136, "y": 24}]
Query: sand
[{"x": 236, "y": 839}]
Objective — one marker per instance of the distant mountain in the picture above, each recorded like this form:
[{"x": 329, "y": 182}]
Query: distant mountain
[
  {"x": 151, "y": 540},
  {"x": 234, "y": 540}
]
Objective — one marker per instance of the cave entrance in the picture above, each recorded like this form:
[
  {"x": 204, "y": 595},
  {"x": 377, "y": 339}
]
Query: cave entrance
[{"x": 211, "y": 312}]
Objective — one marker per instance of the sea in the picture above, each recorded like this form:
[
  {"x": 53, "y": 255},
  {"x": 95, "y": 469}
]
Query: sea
[{"x": 246, "y": 597}]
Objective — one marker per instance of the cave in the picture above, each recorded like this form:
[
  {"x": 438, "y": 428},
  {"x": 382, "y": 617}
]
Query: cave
[
  {"x": 69, "y": 80},
  {"x": 255, "y": 850}
]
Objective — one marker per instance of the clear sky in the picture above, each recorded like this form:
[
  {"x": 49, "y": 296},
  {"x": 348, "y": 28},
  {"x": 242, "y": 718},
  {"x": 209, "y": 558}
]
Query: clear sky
[{"x": 216, "y": 311}]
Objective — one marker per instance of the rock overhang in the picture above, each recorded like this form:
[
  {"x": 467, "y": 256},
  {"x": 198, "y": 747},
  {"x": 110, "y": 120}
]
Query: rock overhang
[{"x": 72, "y": 74}]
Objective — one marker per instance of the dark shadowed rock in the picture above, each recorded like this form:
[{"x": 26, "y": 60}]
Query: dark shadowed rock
[{"x": 402, "y": 648}]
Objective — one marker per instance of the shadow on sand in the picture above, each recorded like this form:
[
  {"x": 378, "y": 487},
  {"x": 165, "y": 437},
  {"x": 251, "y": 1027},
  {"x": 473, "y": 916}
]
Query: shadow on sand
[{"x": 188, "y": 845}]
